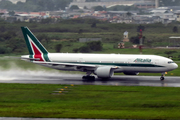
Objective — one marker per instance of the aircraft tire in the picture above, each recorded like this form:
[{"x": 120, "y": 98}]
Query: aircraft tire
[
  {"x": 88, "y": 78},
  {"x": 162, "y": 78}
]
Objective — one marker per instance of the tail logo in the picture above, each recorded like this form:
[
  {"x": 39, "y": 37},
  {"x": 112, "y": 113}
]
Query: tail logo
[
  {"x": 37, "y": 53},
  {"x": 36, "y": 49}
]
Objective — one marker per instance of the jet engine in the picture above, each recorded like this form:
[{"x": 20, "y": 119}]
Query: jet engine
[
  {"x": 131, "y": 73},
  {"x": 104, "y": 72}
]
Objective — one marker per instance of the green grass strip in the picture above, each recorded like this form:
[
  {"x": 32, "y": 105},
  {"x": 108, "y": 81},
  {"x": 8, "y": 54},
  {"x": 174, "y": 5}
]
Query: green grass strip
[{"x": 88, "y": 101}]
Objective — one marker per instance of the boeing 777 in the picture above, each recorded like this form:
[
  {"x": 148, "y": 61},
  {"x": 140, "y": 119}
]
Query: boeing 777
[{"x": 101, "y": 65}]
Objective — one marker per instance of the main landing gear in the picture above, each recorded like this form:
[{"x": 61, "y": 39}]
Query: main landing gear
[
  {"x": 88, "y": 76},
  {"x": 162, "y": 77}
]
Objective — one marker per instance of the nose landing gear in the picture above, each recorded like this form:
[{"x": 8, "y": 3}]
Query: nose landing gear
[{"x": 162, "y": 76}]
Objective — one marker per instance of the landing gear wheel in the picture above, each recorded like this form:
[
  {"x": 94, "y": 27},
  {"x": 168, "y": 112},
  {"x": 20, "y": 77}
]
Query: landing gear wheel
[
  {"x": 161, "y": 78},
  {"x": 88, "y": 78}
]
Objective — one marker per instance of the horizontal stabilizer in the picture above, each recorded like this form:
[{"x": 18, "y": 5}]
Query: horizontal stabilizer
[
  {"x": 30, "y": 58},
  {"x": 12, "y": 57}
]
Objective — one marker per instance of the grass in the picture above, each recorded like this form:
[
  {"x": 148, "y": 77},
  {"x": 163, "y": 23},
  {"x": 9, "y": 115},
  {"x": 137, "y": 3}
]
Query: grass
[{"x": 86, "y": 101}]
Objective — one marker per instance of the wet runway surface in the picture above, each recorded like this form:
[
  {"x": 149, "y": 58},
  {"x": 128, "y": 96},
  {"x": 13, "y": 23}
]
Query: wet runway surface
[{"x": 44, "y": 77}]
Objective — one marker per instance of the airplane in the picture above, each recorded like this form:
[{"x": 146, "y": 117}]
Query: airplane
[{"x": 101, "y": 65}]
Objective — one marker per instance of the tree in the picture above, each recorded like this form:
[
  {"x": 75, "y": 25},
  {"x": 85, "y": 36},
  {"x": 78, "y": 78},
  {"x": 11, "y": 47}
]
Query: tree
[
  {"x": 80, "y": 31},
  {"x": 61, "y": 4},
  {"x": 8, "y": 35},
  {"x": 85, "y": 7},
  {"x": 140, "y": 27},
  {"x": 75, "y": 50},
  {"x": 74, "y": 7},
  {"x": 98, "y": 8},
  {"x": 129, "y": 14},
  {"x": 58, "y": 47},
  {"x": 16, "y": 44},
  {"x": 2, "y": 29},
  {"x": 93, "y": 25},
  {"x": 42, "y": 37},
  {"x": 170, "y": 52},
  {"x": 122, "y": 8},
  {"x": 2, "y": 49},
  {"x": 175, "y": 29},
  {"x": 95, "y": 45},
  {"x": 46, "y": 21},
  {"x": 134, "y": 40},
  {"x": 84, "y": 49},
  {"x": 11, "y": 13}
]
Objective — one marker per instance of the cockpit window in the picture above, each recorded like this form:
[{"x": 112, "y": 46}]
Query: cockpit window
[{"x": 170, "y": 62}]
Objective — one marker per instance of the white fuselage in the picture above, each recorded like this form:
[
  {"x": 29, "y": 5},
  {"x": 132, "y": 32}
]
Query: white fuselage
[
  {"x": 101, "y": 65},
  {"x": 124, "y": 62}
]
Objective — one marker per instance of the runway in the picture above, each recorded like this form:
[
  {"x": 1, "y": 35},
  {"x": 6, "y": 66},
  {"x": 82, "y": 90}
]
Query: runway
[{"x": 46, "y": 77}]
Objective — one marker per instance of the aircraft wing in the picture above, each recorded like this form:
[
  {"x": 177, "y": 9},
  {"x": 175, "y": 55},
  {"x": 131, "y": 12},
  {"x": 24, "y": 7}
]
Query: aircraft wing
[
  {"x": 68, "y": 64},
  {"x": 71, "y": 64}
]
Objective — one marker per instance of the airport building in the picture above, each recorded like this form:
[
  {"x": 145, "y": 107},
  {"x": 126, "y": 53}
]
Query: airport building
[{"x": 110, "y": 3}]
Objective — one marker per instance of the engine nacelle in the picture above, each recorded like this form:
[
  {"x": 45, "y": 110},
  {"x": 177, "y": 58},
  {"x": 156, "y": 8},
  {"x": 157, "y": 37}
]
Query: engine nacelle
[
  {"x": 104, "y": 72},
  {"x": 131, "y": 73}
]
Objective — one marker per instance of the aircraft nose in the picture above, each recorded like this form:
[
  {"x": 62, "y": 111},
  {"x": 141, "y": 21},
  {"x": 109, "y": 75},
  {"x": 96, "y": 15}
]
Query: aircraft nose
[
  {"x": 175, "y": 66},
  {"x": 172, "y": 66}
]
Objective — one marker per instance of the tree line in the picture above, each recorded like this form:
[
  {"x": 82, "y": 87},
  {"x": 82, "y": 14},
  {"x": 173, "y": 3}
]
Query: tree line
[{"x": 12, "y": 41}]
